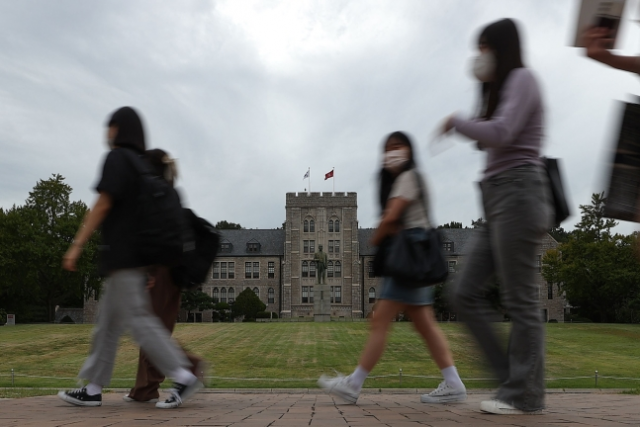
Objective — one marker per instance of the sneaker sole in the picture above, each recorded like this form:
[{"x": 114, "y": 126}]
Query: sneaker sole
[
  {"x": 489, "y": 409},
  {"x": 190, "y": 391},
  {"x": 453, "y": 398},
  {"x": 347, "y": 397},
  {"x": 62, "y": 395}
]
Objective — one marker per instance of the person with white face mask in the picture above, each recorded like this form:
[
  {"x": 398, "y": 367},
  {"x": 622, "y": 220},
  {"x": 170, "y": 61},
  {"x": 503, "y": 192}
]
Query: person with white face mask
[
  {"x": 404, "y": 204},
  {"x": 518, "y": 212}
]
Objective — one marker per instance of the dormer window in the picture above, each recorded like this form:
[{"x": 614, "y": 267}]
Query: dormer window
[
  {"x": 447, "y": 246},
  {"x": 253, "y": 246},
  {"x": 225, "y": 246}
]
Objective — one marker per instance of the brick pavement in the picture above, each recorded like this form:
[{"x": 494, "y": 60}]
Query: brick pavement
[{"x": 260, "y": 409}]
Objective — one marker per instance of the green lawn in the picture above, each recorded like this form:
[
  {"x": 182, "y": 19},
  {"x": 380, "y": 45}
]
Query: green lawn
[{"x": 295, "y": 354}]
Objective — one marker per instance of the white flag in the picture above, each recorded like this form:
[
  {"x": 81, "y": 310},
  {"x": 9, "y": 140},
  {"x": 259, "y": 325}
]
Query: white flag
[{"x": 306, "y": 175}]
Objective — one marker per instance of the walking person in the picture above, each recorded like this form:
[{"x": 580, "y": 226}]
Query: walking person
[
  {"x": 165, "y": 301},
  {"x": 404, "y": 204},
  {"x": 518, "y": 212},
  {"x": 124, "y": 303}
]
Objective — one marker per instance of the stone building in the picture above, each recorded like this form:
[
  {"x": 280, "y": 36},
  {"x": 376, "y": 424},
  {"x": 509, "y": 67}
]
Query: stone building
[{"x": 277, "y": 264}]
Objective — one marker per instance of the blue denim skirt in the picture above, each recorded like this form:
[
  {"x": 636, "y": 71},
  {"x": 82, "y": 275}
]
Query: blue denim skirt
[{"x": 391, "y": 290}]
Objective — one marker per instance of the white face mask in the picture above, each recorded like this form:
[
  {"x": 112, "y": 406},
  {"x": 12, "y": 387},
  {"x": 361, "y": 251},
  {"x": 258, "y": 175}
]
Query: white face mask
[
  {"x": 484, "y": 67},
  {"x": 395, "y": 160}
]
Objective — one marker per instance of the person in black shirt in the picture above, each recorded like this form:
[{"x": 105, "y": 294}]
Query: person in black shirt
[{"x": 124, "y": 303}]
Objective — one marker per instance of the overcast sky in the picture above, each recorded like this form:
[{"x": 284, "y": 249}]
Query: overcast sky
[{"x": 249, "y": 94}]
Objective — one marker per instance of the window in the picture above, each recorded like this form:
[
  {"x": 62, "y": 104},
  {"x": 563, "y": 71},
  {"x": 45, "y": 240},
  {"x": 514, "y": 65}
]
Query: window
[
  {"x": 215, "y": 295},
  {"x": 549, "y": 290},
  {"x": 336, "y": 294},
  {"x": 330, "y": 246},
  {"x": 330, "y": 226},
  {"x": 312, "y": 226},
  {"x": 247, "y": 270},
  {"x": 312, "y": 246},
  {"x": 452, "y": 266},
  {"x": 539, "y": 263},
  {"x": 253, "y": 247},
  {"x": 312, "y": 269},
  {"x": 311, "y": 294},
  {"x": 223, "y": 295},
  {"x": 306, "y": 226},
  {"x": 256, "y": 291},
  {"x": 223, "y": 270},
  {"x": 370, "y": 269},
  {"x": 271, "y": 296},
  {"x": 225, "y": 246},
  {"x": 372, "y": 295},
  {"x": 305, "y": 246},
  {"x": 336, "y": 244},
  {"x": 256, "y": 270},
  {"x": 232, "y": 270},
  {"x": 447, "y": 246},
  {"x": 216, "y": 270},
  {"x": 271, "y": 270},
  {"x": 305, "y": 294},
  {"x": 336, "y": 226},
  {"x": 330, "y": 269},
  {"x": 305, "y": 269},
  {"x": 337, "y": 269},
  {"x": 231, "y": 295}
]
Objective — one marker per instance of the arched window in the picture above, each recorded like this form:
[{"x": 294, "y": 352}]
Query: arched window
[
  {"x": 305, "y": 269},
  {"x": 271, "y": 296},
  {"x": 256, "y": 291},
  {"x": 338, "y": 269},
  {"x": 330, "y": 226},
  {"x": 232, "y": 295},
  {"x": 372, "y": 295},
  {"x": 330, "y": 269},
  {"x": 312, "y": 269},
  {"x": 215, "y": 295},
  {"x": 336, "y": 226},
  {"x": 306, "y": 226},
  {"x": 312, "y": 226},
  {"x": 223, "y": 295}
]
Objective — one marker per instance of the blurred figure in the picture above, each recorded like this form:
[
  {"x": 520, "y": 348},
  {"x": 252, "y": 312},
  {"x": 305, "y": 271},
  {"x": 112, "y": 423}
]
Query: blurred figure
[
  {"x": 597, "y": 46},
  {"x": 165, "y": 302},
  {"x": 518, "y": 211},
  {"x": 404, "y": 203},
  {"x": 124, "y": 303}
]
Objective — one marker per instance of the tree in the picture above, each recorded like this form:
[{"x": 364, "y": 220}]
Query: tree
[
  {"x": 598, "y": 270},
  {"x": 478, "y": 223},
  {"x": 247, "y": 304},
  {"x": 33, "y": 239},
  {"x": 195, "y": 300},
  {"x": 452, "y": 224},
  {"x": 559, "y": 234},
  {"x": 226, "y": 225}
]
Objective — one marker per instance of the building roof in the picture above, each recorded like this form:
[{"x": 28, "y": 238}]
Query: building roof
[
  {"x": 271, "y": 242},
  {"x": 459, "y": 236}
]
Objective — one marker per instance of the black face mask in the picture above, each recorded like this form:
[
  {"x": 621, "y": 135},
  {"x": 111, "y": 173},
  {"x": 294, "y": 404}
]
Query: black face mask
[{"x": 130, "y": 130}]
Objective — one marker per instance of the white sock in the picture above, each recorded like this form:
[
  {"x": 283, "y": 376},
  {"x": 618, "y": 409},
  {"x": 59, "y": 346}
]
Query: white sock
[
  {"x": 182, "y": 376},
  {"x": 93, "y": 389},
  {"x": 452, "y": 378},
  {"x": 356, "y": 379}
]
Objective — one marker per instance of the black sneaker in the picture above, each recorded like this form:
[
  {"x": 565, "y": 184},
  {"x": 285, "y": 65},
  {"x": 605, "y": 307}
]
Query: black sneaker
[
  {"x": 179, "y": 393},
  {"x": 79, "y": 397}
]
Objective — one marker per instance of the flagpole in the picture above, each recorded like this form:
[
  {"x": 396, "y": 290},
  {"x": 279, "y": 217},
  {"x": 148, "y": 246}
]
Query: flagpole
[
  {"x": 333, "y": 170},
  {"x": 309, "y": 179}
]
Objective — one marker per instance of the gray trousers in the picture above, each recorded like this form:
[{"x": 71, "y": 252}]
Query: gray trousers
[
  {"x": 125, "y": 305},
  {"x": 518, "y": 210}
]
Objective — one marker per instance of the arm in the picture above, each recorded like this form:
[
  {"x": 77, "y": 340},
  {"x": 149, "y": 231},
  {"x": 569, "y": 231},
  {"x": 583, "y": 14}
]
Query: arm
[
  {"x": 91, "y": 222},
  {"x": 596, "y": 47},
  {"x": 518, "y": 98},
  {"x": 390, "y": 219}
]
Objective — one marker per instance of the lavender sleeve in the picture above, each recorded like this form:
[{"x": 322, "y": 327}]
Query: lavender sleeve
[{"x": 519, "y": 96}]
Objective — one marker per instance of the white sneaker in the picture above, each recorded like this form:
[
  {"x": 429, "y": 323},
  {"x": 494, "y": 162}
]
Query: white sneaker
[
  {"x": 497, "y": 407},
  {"x": 128, "y": 398},
  {"x": 339, "y": 386},
  {"x": 445, "y": 394}
]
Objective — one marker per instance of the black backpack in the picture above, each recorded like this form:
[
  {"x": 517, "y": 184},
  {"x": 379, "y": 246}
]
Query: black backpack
[
  {"x": 159, "y": 217},
  {"x": 201, "y": 243}
]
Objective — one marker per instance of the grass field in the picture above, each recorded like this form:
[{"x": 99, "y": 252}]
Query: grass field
[{"x": 275, "y": 355}]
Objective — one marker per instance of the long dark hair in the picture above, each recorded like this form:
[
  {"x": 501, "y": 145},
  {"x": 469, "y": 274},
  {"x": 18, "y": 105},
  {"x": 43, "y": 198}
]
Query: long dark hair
[
  {"x": 130, "y": 129},
  {"x": 503, "y": 39},
  {"x": 387, "y": 178},
  {"x": 161, "y": 165}
]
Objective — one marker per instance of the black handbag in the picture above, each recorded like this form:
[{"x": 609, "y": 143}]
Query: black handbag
[
  {"x": 560, "y": 205},
  {"x": 415, "y": 259}
]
